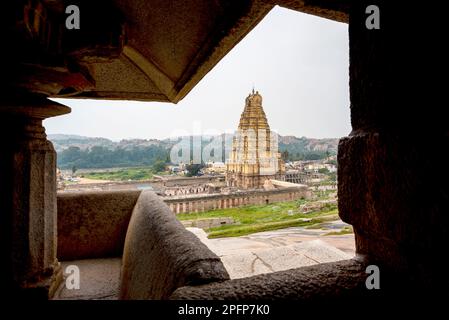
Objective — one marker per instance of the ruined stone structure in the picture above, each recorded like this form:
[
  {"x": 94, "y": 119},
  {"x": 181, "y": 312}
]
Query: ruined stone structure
[
  {"x": 301, "y": 177},
  {"x": 205, "y": 202},
  {"x": 153, "y": 51},
  {"x": 254, "y": 157}
]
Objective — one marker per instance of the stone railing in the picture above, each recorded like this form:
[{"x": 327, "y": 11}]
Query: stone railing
[
  {"x": 163, "y": 260},
  {"x": 93, "y": 224},
  {"x": 158, "y": 254},
  {"x": 336, "y": 281}
]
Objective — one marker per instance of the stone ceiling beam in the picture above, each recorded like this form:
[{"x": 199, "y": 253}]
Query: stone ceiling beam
[{"x": 131, "y": 49}]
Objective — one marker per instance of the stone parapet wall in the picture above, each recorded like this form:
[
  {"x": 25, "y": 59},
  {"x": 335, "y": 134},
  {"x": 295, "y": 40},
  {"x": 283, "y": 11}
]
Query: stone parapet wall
[
  {"x": 93, "y": 224},
  {"x": 322, "y": 282},
  {"x": 160, "y": 255}
]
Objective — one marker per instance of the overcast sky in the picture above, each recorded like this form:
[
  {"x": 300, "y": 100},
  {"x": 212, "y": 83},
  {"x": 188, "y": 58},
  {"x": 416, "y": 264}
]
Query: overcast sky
[{"x": 299, "y": 63}]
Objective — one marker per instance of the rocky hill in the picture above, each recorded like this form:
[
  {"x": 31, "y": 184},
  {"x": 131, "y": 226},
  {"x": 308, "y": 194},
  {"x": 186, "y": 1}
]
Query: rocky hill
[{"x": 98, "y": 152}]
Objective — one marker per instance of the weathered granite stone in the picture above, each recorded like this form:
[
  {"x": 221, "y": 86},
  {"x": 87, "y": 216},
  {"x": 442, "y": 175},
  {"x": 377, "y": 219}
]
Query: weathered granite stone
[
  {"x": 28, "y": 197},
  {"x": 325, "y": 281},
  {"x": 93, "y": 224},
  {"x": 160, "y": 255},
  {"x": 397, "y": 208},
  {"x": 390, "y": 187},
  {"x": 99, "y": 280}
]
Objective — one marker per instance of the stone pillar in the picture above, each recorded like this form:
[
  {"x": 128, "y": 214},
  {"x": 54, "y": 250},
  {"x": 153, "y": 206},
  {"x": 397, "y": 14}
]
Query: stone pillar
[
  {"x": 28, "y": 197},
  {"x": 390, "y": 187}
]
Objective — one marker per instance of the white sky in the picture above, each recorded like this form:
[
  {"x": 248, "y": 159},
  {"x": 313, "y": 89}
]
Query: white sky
[{"x": 298, "y": 62}]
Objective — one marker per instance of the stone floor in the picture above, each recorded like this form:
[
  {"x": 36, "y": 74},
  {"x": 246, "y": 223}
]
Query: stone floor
[
  {"x": 262, "y": 252},
  {"x": 99, "y": 280}
]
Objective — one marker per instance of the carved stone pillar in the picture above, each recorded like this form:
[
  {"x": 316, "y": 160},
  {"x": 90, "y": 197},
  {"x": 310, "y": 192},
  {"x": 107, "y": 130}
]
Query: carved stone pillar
[{"x": 28, "y": 197}]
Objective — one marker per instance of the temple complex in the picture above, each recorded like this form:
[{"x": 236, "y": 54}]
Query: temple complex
[
  {"x": 159, "y": 51},
  {"x": 254, "y": 158}
]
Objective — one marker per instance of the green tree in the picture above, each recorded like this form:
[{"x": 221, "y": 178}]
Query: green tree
[
  {"x": 193, "y": 169},
  {"x": 159, "y": 166},
  {"x": 323, "y": 170}
]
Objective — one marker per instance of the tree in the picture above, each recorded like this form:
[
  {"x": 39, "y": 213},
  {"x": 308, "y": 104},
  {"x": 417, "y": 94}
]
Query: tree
[
  {"x": 158, "y": 166},
  {"x": 74, "y": 170},
  {"x": 313, "y": 156},
  {"x": 323, "y": 170},
  {"x": 193, "y": 169}
]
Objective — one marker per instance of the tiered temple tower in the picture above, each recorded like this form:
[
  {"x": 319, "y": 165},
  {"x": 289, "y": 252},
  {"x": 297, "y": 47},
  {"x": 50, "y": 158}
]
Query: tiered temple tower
[{"x": 254, "y": 157}]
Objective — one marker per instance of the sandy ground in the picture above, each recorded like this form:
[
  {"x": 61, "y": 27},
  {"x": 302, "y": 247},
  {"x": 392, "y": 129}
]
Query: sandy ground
[{"x": 91, "y": 181}]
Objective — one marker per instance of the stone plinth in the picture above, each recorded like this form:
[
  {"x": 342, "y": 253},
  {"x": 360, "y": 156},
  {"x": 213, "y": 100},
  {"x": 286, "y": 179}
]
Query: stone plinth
[{"x": 28, "y": 196}]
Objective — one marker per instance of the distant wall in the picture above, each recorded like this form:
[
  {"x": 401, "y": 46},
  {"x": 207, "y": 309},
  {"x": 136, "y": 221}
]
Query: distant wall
[
  {"x": 184, "y": 181},
  {"x": 93, "y": 224},
  {"x": 201, "y": 203},
  {"x": 207, "y": 223}
]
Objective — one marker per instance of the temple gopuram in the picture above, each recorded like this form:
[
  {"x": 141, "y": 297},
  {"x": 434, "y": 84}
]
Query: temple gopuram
[{"x": 254, "y": 157}]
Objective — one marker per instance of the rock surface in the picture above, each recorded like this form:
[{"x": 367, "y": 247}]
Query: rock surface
[{"x": 266, "y": 252}]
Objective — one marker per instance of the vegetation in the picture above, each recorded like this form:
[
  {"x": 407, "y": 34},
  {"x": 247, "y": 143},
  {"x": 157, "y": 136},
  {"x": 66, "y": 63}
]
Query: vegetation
[
  {"x": 121, "y": 175},
  {"x": 345, "y": 230},
  {"x": 250, "y": 219},
  {"x": 332, "y": 177},
  {"x": 323, "y": 170},
  {"x": 86, "y": 153},
  {"x": 302, "y": 149},
  {"x": 193, "y": 169},
  {"x": 159, "y": 166},
  {"x": 102, "y": 157}
]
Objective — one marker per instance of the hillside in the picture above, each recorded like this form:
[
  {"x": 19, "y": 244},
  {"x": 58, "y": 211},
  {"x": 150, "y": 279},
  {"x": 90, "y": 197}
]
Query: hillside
[
  {"x": 97, "y": 152},
  {"x": 307, "y": 148},
  {"x": 64, "y": 141}
]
